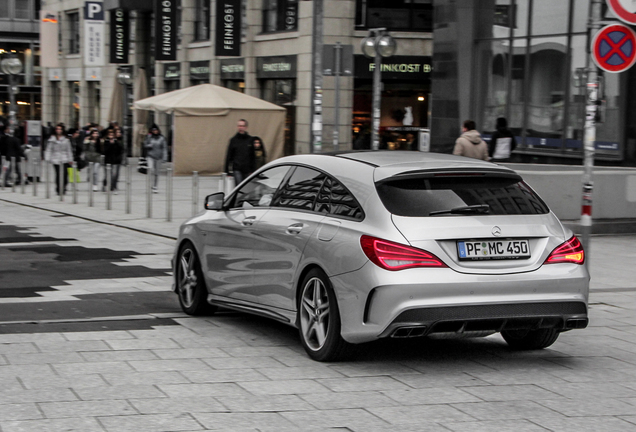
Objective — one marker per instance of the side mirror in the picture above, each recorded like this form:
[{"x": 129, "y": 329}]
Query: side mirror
[{"x": 214, "y": 201}]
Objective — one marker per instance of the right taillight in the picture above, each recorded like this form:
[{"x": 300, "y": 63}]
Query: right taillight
[{"x": 569, "y": 252}]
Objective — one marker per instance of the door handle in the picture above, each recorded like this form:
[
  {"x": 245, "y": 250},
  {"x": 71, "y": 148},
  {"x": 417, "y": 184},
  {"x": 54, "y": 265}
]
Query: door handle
[
  {"x": 295, "y": 228},
  {"x": 249, "y": 221}
]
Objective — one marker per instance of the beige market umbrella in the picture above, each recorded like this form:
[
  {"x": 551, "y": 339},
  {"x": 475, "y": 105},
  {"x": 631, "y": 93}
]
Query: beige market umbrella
[
  {"x": 205, "y": 120},
  {"x": 116, "y": 109}
]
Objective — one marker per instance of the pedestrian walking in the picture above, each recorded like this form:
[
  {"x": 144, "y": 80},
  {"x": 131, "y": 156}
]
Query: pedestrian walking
[
  {"x": 502, "y": 142},
  {"x": 92, "y": 153},
  {"x": 260, "y": 157},
  {"x": 156, "y": 153},
  {"x": 59, "y": 153},
  {"x": 12, "y": 149},
  {"x": 470, "y": 144},
  {"x": 240, "y": 153},
  {"x": 113, "y": 151}
]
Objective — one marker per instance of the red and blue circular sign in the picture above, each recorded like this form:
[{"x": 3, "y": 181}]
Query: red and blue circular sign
[
  {"x": 625, "y": 10},
  {"x": 614, "y": 48}
]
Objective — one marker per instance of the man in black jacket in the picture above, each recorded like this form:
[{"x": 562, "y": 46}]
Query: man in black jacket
[
  {"x": 13, "y": 149},
  {"x": 240, "y": 153}
]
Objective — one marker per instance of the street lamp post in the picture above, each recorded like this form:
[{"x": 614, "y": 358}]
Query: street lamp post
[
  {"x": 378, "y": 44},
  {"x": 12, "y": 66},
  {"x": 124, "y": 78}
]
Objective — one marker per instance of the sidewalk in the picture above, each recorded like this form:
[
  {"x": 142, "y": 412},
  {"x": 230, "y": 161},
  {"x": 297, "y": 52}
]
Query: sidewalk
[
  {"x": 611, "y": 263},
  {"x": 157, "y": 224}
]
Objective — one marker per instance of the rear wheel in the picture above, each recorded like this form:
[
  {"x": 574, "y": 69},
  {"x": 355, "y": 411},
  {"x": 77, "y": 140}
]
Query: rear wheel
[
  {"x": 530, "y": 339},
  {"x": 319, "y": 319},
  {"x": 190, "y": 284}
]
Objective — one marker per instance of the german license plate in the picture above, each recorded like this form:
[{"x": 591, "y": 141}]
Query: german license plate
[{"x": 493, "y": 249}]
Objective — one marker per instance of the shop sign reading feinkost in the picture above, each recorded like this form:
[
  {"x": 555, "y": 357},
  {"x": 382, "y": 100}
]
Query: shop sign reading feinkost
[
  {"x": 228, "y": 28},
  {"x": 396, "y": 67}
]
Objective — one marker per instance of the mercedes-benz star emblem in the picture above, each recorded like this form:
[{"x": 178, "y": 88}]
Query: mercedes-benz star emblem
[{"x": 496, "y": 231}]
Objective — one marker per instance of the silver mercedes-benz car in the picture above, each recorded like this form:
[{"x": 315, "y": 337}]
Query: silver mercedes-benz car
[{"x": 352, "y": 247}]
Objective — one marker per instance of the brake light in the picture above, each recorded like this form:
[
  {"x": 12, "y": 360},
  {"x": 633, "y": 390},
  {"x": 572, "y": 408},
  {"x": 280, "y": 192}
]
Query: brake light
[
  {"x": 395, "y": 256},
  {"x": 569, "y": 252}
]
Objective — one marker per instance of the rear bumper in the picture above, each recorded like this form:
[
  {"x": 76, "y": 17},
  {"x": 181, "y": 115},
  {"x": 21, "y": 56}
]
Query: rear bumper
[
  {"x": 483, "y": 318},
  {"x": 375, "y": 303}
]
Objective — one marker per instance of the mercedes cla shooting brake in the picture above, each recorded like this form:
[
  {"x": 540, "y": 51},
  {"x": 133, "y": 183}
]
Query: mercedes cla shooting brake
[{"x": 352, "y": 247}]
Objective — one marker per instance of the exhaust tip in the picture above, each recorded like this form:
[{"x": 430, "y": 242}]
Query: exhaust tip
[
  {"x": 576, "y": 323},
  {"x": 409, "y": 332}
]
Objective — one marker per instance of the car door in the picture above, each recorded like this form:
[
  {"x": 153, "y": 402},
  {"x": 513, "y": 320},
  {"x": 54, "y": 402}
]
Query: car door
[
  {"x": 283, "y": 233},
  {"x": 230, "y": 237}
]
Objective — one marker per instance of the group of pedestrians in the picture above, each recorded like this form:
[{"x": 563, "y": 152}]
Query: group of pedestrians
[
  {"x": 62, "y": 149},
  {"x": 470, "y": 143},
  {"x": 245, "y": 153}
]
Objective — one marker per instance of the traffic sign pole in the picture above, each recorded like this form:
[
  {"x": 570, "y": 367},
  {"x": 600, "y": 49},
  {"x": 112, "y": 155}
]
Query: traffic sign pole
[{"x": 590, "y": 134}]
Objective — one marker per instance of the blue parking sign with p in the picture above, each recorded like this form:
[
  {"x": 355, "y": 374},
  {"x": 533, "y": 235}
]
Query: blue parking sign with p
[{"x": 94, "y": 11}]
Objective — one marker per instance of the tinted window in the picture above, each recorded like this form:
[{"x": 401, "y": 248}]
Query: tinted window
[
  {"x": 421, "y": 196},
  {"x": 301, "y": 190},
  {"x": 335, "y": 199},
  {"x": 260, "y": 190}
]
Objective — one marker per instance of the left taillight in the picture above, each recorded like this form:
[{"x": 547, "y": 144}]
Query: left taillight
[
  {"x": 569, "y": 252},
  {"x": 395, "y": 256}
]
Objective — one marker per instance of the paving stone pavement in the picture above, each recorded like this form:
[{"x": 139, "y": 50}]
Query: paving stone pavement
[{"x": 234, "y": 372}]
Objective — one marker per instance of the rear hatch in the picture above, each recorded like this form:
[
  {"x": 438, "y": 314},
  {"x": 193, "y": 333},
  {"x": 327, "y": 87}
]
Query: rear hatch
[{"x": 481, "y": 221}]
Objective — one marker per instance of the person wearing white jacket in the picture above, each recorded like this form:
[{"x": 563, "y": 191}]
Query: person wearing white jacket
[{"x": 60, "y": 154}]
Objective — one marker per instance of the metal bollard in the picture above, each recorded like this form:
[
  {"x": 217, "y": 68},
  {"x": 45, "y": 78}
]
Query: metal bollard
[
  {"x": 91, "y": 197},
  {"x": 22, "y": 176},
  {"x": 109, "y": 181},
  {"x": 47, "y": 165},
  {"x": 12, "y": 173},
  {"x": 2, "y": 171},
  {"x": 223, "y": 182},
  {"x": 128, "y": 187},
  {"x": 36, "y": 175},
  {"x": 169, "y": 194},
  {"x": 60, "y": 180},
  {"x": 74, "y": 182},
  {"x": 195, "y": 192},
  {"x": 149, "y": 179}
]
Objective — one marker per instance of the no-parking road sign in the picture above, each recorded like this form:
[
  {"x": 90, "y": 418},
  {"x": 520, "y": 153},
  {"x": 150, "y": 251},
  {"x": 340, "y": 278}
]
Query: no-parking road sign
[
  {"x": 625, "y": 10},
  {"x": 614, "y": 48}
]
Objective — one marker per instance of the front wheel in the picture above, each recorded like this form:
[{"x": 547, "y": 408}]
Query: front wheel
[
  {"x": 193, "y": 295},
  {"x": 319, "y": 319},
  {"x": 530, "y": 339}
]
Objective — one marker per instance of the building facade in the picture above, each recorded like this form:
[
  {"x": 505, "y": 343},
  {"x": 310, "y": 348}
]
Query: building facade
[
  {"x": 455, "y": 60},
  {"x": 275, "y": 62},
  {"x": 19, "y": 37}
]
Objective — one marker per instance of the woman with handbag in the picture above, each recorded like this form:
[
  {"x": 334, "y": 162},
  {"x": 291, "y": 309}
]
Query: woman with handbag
[{"x": 60, "y": 154}]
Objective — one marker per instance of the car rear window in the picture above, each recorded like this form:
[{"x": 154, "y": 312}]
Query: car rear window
[{"x": 421, "y": 196}]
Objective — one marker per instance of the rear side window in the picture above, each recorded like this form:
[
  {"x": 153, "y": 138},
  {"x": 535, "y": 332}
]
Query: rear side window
[
  {"x": 421, "y": 196},
  {"x": 301, "y": 190},
  {"x": 336, "y": 200}
]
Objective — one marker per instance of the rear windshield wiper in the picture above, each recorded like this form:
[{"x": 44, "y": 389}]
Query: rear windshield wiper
[{"x": 477, "y": 208}]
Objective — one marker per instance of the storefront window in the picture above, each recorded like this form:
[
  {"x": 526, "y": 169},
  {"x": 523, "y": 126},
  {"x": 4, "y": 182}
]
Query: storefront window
[
  {"x": 55, "y": 101},
  {"x": 202, "y": 20},
  {"x": 235, "y": 85},
  {"x": 405, "y": 15},
  {"x": 279, "y": 91},
  {"x": 94, "y": 92},
  {"x": 280, "y": 15},
  {"x": 74, "y": 94}
]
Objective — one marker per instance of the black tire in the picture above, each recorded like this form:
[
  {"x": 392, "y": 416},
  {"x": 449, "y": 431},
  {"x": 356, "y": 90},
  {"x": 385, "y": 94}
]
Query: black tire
[
  {"x": 319, "y": 319},
  {"x": 530, "y": 339},
  {"x": 191, "y": 289}
]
